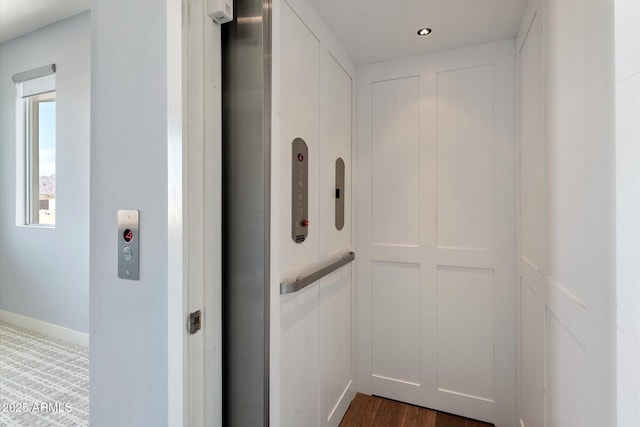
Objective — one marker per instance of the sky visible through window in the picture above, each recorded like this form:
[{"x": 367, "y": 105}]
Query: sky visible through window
[
  {"x": 47, "y": 138},
  {"x": 47, "y": 162}
]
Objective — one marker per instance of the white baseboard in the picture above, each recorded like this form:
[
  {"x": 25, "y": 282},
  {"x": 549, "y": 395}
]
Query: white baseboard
[
  {"x": 342, "y": 405},
  {"x": 55, "y": 331}
]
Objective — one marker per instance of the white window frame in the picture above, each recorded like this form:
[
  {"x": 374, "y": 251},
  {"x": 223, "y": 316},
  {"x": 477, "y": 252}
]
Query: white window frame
[{"x": 29, "y": 84}]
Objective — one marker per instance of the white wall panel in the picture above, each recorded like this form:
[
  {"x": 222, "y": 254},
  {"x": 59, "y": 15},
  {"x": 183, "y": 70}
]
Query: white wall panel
[
  {"x": 300, "y": 358},
  {"x": 299, "y": 109},
  {"x": 580, "y": 249},
  {"x": 532, "y": 219},
  {"x": 532, "y": 149},
  {"x": 335, "y": 341},
  {"x": 465, "y": 331},
  {"x": 465, "y": 133},
  {"x": 395, "y": 119},
  {"x": 396, "y": 321},
  {"x": 567, "y": 376},
  {"x": 627, "y": 38},
  {"x": 532, "y": 344},
  {"x": 335, "y": 141}
]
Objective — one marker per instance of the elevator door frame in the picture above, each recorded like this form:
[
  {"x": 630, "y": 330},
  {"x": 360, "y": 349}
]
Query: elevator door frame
[{"x": 194, "y": 209}]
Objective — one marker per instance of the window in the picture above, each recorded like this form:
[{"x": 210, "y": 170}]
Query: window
[{"x": 36, "y": 147}]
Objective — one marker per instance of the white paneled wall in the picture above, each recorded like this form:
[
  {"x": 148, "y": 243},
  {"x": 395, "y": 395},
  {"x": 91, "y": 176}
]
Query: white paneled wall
[
  {"x": 436, "y": 231},
  {"x": 395, "y": 123},
  {"x": 395, "y": 330},
  {"x": 566, "y": 188},
  {"x": 627, "y": 21},
  {"x": 466, "y": 338},
  {"x": 464, "y": 158},
  {"x": 312, "y": 85}
]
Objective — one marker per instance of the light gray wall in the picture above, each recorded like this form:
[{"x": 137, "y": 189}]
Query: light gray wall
[
  {"x": 129, "y": 171},
  {"x": 44, "y": 273}
]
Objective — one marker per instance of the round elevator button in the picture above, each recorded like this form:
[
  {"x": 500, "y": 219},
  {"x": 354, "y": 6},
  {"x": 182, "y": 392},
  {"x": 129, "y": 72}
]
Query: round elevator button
[{"x": 127, "y": 253}]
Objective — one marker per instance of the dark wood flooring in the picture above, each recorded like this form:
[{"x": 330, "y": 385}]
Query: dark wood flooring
[{"x": 373, "y": 411}]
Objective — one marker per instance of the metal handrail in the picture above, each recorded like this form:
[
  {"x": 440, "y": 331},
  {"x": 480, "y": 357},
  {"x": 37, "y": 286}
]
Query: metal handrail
[{"x": 304, "y": 281}]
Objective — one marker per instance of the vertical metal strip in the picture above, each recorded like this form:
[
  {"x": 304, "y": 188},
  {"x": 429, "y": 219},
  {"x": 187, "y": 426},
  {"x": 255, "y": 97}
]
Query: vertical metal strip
[{"x": 266, "y": 42}]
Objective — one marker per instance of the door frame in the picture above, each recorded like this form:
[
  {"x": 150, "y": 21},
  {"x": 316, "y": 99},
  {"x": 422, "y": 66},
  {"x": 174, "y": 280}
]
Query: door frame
[{"x": 194, "y": 214}]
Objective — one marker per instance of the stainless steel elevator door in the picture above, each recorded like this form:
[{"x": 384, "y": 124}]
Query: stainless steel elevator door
[{"x": 246, "y": 214}]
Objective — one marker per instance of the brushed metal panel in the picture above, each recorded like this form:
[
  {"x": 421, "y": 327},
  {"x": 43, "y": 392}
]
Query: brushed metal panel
[
  {"x": 299, "y": 190},
  {"x": 246, "y": 148},
  {"x": 340, "y": 195},
  {"x": 129, "y": 244}
]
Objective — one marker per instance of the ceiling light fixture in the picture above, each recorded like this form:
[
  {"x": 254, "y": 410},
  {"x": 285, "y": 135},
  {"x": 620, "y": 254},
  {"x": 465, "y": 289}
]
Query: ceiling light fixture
[{"x": 424, "y": 31}]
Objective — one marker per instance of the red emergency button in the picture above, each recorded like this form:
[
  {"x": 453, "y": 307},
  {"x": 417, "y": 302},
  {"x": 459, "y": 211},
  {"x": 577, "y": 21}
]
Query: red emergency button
[{"x": 305, "y": 222}]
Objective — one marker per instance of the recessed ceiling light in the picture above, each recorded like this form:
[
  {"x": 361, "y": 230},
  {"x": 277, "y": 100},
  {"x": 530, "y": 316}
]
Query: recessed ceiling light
[{"x": 424, "y": 31}]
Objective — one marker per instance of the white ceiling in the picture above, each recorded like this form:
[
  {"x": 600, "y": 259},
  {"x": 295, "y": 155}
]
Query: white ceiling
[
  {"x": 370, "y": 30},
  {"x": 380, "y": 30},
  {"x": 18, "y": 17}
]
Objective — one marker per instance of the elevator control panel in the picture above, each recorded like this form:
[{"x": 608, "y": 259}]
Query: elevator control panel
[
  {"x": 129, "y": 244},
  {"x": 340, "y": 195},
  {"x": 299, "y": 190}
]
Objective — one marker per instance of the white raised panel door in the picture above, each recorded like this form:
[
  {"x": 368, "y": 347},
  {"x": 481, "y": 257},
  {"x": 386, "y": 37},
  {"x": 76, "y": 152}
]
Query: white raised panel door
[{"x": 436, "y": 232}]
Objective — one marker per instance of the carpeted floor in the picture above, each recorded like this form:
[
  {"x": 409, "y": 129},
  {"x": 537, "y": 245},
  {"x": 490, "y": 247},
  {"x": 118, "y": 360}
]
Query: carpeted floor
[{"x": 43, "y": 381}]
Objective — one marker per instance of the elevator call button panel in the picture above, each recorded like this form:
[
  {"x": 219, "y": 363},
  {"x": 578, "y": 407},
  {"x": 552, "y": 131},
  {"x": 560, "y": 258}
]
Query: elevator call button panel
[
  {"x": 129, "y": 244},
  {"x": 299, "y": 190}
]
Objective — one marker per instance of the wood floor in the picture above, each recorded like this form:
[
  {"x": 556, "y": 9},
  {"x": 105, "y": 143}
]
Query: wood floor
[{"x": 372, "y": 411}]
